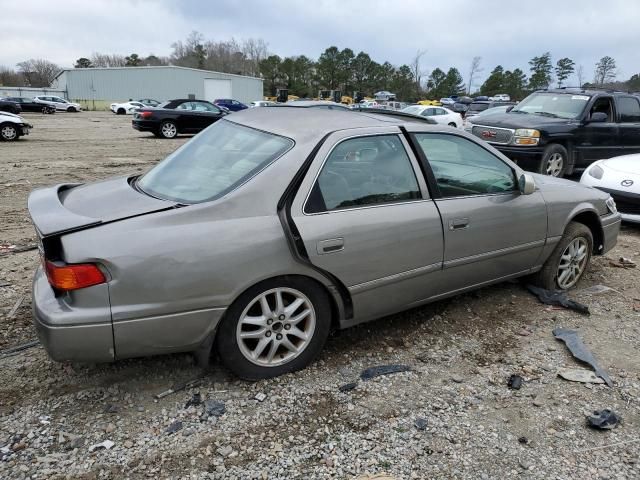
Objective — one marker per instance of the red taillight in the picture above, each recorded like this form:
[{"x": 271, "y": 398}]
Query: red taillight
[
  {"x": 145, "y": 114},
  {"x": 73, "y": 277}
]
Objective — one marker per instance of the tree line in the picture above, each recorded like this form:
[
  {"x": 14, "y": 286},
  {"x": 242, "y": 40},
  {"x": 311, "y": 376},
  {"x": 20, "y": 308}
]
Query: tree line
[{"x": 339, "y": 69}]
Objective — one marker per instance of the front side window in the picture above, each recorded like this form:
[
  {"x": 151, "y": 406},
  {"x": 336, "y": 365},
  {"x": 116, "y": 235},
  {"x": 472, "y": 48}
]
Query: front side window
[
  {"x": 629, "y": 108},
  {"x": 218, "y": 160},
  {"x": 364, "y": 171},
  {"x": 463, "y": 168}
]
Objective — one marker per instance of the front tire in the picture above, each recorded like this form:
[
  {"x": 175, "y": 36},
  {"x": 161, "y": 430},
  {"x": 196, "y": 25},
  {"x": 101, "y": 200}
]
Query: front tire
[
  {"x": 121, "y": 111},
  {"x": 168, "y": 129},
  {"x": 8, "y": 132},
  {"x": 554, "y": 161},
  {"x": 275, "y": 327},
  {"x": 569, "y": 260},
  {"x": 71, "y": 110}
]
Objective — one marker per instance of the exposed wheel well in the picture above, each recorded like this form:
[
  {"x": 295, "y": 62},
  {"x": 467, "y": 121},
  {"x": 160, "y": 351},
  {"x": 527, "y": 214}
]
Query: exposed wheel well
[{"x": 591, "y": 220}]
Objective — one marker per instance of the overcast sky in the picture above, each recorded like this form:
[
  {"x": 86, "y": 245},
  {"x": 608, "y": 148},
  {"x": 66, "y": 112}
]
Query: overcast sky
[{"x": 451, "y": 31}]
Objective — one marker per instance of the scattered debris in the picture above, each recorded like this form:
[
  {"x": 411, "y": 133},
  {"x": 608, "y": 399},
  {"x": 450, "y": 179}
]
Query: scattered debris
[
  {"x": 347, "y": 387},
  {"x": 9, "y": 352},
  {"x": 194, "y": 401},
  {"x": 611, "y": 445},
  {"x": 107, "y": 444},
  {"x": 579, "y": 375},
  {"x": 373, "y": 372},
  {"x": 225, "y": 451},
  {"x": 580, "y": 351},
  {"x": 603, "y": 420},
  {"x": 595, "y": 289},
  {"x": 457, "y": 379},
  {"x": 515, "y": 382},
  {"x": 523, "y": 440},
  {"x": 15, "y": 307},
  {"x": 420, "y": 423},
  {"x": 623, "y": 262},
  {"x": 179, "y": 387},
  {"x": 174, "y": 427},
  {"x": 110, "y": 408},
  {"x": 557, "y": 297},
  {"x": 213, "y": 408},
  {"x": 260, "y": 397},
  {"x": 6, "y": 249}
]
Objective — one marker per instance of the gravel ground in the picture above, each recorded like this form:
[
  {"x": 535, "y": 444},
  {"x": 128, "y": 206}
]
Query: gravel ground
[{"x": 451, "y": 415}]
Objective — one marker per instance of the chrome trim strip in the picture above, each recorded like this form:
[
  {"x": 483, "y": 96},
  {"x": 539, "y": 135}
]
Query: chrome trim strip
[
  {"x": 379, "y": 282},
  {"x": 495, "y": 253}
]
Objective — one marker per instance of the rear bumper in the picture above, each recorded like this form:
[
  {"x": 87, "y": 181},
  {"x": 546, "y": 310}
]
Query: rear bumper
[
  {"x": 143, "y": 126},
  {"x": 67, "y": 333},
  {"x": 610, "y": 229}
]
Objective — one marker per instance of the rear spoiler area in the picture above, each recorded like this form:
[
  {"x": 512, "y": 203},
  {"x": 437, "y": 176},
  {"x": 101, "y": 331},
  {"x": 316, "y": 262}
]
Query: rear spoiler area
[{"x": 50, "y": 217}]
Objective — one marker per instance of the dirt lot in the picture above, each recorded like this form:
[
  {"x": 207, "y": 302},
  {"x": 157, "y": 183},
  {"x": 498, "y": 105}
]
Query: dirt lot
[{"x": 460, "y": 351}]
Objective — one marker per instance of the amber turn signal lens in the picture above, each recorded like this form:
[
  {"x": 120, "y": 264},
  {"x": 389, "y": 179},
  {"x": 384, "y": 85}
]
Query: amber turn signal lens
[
  {"x": 526, "y": 141},
  {"x": 73, "y": 277}
]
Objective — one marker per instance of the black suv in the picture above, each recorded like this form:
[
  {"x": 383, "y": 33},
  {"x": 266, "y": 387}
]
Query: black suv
[{"x": 558, "y": 130}]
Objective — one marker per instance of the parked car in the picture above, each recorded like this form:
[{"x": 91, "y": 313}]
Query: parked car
[
  {"x": 261, "y": 103},
  {"x": 459, "y": 107},
  {"x": 10, "y": 106},
  {"x": 59, "y": 103},
  {"x": 230, "y": 104},
  {"x": 149, "y": 102},
  {"x": 478, "y": 106},
  {"x": 441, "y": 115},
  {"x": 169, "y": 119},
  {"x": 322, "y": 104},
  {"x": 30, "y": 105},
  {"x": 12, "y": 126},
  {"x": 469, "y": 121},
  {"x": 559, "y": 130},
  {"x": 126, "y": 108},
  {"x": 447, "y": 101},
  {"x": 275, "y": 225},
  {"x": 501, "y": 97},
  {"x": 619, "y": 177}
]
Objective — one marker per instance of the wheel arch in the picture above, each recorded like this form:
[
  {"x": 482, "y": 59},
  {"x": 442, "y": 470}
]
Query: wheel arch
[{"x": 591, "y": 220}]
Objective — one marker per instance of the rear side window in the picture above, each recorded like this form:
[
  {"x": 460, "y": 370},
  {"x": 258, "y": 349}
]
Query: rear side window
[
  {"x": 219, "y": 159},
  {"x": 629, "y": 108},
  {"x": 364, "y": 171},
  {"x": 464, "y": 168}
]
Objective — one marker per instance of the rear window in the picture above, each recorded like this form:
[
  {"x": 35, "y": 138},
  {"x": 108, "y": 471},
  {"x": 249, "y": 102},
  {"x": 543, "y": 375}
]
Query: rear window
[
  {"x": 478, "y": 107},
  {"x": 221, "y": 158}
]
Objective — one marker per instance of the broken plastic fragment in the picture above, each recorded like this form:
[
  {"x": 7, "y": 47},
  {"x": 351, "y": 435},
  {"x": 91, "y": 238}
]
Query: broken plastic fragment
[
  {"x": 580, "y": 351},
  {"x": 347, "y": 387},
  {"x": 373, "y": 372},
  {"x": 603, "y": 420},
  {"x": 107, "y": 444},
  {"x": 579, "y": 375},
  {"x": 214, "y": 408},
  {"x": 515, "y": 382},
  {"x": 558, "y": 297}
]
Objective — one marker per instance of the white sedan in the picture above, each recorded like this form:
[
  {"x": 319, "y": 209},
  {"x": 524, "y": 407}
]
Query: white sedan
[
  {"x": 620, "y": 177},
  {"x": 439, "y": 114},
  {"x": 126, "y": 108}
]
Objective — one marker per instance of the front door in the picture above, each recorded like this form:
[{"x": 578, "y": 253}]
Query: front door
[
  {"x": 598, "y": 140},
  {"x": 491, "y": 230},
  {"x": 365, "y": 216}
]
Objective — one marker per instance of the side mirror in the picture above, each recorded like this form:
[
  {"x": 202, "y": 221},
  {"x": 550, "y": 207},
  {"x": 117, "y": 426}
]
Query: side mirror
[
  {"x": 598, "y": 117},
  {"x": 526, "y": 184},
  {"x": 509, "y": 108}
]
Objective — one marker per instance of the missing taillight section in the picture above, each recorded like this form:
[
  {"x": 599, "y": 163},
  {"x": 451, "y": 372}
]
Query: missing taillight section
[
  {"x": 145, "y": 114},
  {"x": 73, "y": 277}
]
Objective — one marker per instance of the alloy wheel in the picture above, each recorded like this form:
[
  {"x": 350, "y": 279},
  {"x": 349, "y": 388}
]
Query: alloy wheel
[
  {"x": 169, "y": 130},
  {"x": 8, "y": 132},
  {"x": 555, "y": 164},
  {"x": 276, "y": 327},
  {"x": 572, "y": 263}
]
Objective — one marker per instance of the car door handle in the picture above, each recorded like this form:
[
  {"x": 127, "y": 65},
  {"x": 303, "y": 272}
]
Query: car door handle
[
  {"x": 458, "y": 223},
  {"x": 330, "y": 245}
]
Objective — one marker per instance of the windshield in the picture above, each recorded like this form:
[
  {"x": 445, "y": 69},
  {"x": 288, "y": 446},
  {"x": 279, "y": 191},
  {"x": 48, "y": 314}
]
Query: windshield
[
  {"x": 215, "y": 162},
  {"x": 553, "y": 104}
]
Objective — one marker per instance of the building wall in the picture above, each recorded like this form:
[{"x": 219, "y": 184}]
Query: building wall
[
  {"x": 96, "y": 88},
  {"x": 29, "y": 92}
]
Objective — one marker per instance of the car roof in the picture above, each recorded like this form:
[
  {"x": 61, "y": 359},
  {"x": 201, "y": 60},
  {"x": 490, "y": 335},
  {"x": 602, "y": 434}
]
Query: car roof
[{"x": 309, "y": 103}]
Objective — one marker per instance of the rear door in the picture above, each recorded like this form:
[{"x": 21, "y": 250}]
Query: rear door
[
  {"x": 365, "y": 216},
  {"x": 491, "y": 230},
  {"x": 629, "y": 126}
]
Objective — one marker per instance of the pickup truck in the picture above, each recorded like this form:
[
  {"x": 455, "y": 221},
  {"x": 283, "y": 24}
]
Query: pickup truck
[{"x": 556, "y": 131}]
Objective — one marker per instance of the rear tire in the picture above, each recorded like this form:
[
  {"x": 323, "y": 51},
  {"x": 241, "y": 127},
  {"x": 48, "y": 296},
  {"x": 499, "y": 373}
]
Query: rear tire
[
  {"x": 8, "y": 132},
  {"x": 262, "y": 337},
  {"x": 566, "y": 265},
  {"x": 168, "y": 129},
  {"x": 554, "y": 161}
]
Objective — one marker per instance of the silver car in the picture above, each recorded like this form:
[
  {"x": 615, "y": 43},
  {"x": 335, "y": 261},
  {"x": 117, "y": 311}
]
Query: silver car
[{"x": 275, "y": 225}]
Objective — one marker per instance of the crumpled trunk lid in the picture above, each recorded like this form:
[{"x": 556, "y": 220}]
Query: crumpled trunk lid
[{"x": 69, "y": 207}]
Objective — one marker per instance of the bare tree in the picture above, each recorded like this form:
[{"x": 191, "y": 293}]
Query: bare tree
[
  {"x": 473, "y": 70},
  {"x": 38, "y": 72},
  {"x": 108, "y": 60},
  {"x": 416, "y": 71},
  {"x": 10, "y": 78},
  {"x": 580, "y": 75},
  {"x": 606, "y": 71}
]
